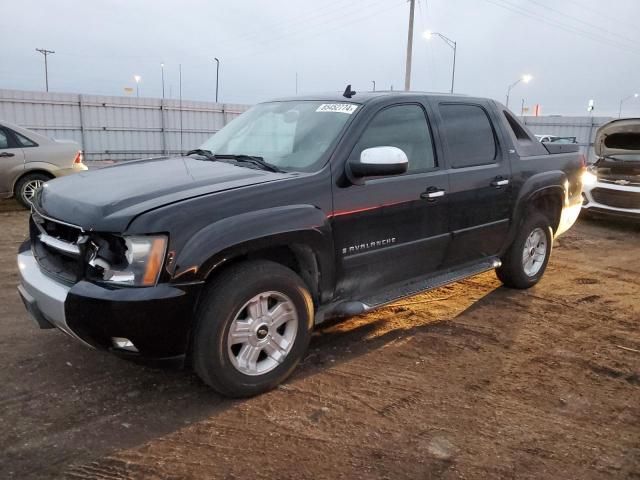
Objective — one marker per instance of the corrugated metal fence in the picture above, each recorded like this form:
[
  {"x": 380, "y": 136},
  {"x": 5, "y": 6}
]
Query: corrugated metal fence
[
  {"x": 120, "y": 128},
  {"x": 117, "y": 128},
  {"x": 583, "y": 128}
]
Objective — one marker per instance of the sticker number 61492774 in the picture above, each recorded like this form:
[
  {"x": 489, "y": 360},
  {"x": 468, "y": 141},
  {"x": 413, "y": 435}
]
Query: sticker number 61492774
[{"x": 347, "y": 108}]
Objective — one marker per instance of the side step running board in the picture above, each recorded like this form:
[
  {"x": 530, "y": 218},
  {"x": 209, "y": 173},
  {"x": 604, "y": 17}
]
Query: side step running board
[
  {"x": 423, "y": 285},
  {"x": 350, "y": 308}
]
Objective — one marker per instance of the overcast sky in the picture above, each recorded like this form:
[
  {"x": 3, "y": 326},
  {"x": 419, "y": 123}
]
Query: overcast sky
[{"x": 576, "y": 50}]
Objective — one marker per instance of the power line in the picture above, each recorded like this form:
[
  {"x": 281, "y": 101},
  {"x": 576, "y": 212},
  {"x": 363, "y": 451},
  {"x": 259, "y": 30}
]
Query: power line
[
  {"x": 335, "y": 26},
  {"x": 578, "y": 20},
  {"x": 603, "y": 15},
  {"x": 562, "y": 26}
]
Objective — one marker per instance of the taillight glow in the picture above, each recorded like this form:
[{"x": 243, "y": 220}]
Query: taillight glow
[{"x": 79, "y": 157}]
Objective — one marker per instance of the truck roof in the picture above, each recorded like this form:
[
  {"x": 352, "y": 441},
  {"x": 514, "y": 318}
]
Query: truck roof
[{"x": 366, "y": 97}]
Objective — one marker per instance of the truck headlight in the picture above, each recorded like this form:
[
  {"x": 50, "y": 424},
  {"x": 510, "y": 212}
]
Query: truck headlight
[
  {"x": 139, "y": 263},
  {"x": 589, "y": 178}
]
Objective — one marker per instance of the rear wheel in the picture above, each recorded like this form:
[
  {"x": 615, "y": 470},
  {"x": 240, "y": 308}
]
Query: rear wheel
[
  {"x": 253, "y": 327},
  {"x": 27, "y": 186},
  {"x": 526, "y": 259}
]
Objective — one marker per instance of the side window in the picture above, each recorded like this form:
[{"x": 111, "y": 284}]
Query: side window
[
  {"x": 404, "y": 127},
  {"x": 469, "y": 135},
  {"x": 24, "y": 141},
  {"x": 4, "y": 140}
]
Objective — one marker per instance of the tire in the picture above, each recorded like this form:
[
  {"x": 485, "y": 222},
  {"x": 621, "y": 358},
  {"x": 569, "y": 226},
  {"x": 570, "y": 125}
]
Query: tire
[
  {"x": 26, "y": 186},
  {"x": 518, "y": 270},
  {"x": 232, "y": 301}
]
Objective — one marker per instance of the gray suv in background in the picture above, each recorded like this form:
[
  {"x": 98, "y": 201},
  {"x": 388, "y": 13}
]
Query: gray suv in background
[{"x": 28, "y": 159}]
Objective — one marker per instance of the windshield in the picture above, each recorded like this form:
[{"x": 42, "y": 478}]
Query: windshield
[{"x": 292, "y": 135}]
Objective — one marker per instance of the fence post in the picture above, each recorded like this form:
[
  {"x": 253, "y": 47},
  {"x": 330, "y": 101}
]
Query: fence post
[
  {"x": 82, "y": 135},
  {"x": 164, "y": 137},
  {"x": 586, "y": 156}
]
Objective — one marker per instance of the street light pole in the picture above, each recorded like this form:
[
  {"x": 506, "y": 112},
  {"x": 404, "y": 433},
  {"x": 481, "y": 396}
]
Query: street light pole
[
  {"x": 137, "y": 78},
  {"x": 217, "y": 76},
  {"x": 524, "y": 78},
  {"x": 45, "y": 52},
  {"x": 453, "y": 45},
  {"x": 162, "y": 69},
  {"x": 635, "y": 95}
]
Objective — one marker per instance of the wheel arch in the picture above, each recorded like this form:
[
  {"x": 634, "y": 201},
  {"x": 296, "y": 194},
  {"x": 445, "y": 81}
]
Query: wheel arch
[
  {"x": 298, "y": 237},
  {"x": 545, "y": 192}
]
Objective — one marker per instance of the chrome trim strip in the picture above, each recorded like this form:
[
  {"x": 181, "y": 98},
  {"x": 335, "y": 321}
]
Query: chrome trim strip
[
  {"x": 55, "y": 220},
  {"x": 61, "y": 245}
]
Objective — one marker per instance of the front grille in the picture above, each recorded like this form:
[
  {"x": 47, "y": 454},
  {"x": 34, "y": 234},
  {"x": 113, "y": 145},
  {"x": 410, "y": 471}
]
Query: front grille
[
  {"x": 55, "y": 247},
  {"x": 620, "y": 175},
  {"x": 616, "y": 198}
]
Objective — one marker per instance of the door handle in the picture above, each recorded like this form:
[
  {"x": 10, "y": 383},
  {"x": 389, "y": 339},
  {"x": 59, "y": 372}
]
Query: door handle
[
  {"x": 7, "y": 154},
  {"x": 432, "y": 193},
  {"x": 500, "y": 182}
]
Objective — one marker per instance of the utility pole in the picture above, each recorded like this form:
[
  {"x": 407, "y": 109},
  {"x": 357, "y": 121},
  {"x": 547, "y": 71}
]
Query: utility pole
[
  {"x": 46, "y": 68},
  {"x": 296, "y": 83},
  {"x": 217, "y": 76},
  {"x": 374, "y": 85},
  {"x": 407, "y": 73}
]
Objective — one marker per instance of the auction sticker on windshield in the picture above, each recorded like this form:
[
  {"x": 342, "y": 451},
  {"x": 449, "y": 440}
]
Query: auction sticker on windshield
[{"x": 347, "y": 108}]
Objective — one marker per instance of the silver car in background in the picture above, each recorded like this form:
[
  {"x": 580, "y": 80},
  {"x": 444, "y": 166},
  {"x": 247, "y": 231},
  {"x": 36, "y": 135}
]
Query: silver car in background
[{"x": 28, "y": 159}]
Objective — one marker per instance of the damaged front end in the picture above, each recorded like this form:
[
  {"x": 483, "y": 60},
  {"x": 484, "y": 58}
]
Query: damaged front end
[{"x": 72, "y": 254}]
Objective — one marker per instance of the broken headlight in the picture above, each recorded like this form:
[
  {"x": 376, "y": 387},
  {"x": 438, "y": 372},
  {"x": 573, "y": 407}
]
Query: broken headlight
[{"x": 129, "y": 260}]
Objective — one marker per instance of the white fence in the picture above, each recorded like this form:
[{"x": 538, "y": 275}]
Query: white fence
[
  {"x": 117, "y": 128},
  {"x": 120, "y": 128},
  {"x": 583, "y": 128}
]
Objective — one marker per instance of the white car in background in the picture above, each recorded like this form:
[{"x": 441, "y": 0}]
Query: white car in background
[
  {"x": 28, "y": 160},
  {"x": 612, "y": 185}
]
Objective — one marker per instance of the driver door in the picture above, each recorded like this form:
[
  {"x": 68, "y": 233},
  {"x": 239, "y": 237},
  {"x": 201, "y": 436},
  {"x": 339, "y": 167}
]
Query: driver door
[{"x": 392, "y": 229}]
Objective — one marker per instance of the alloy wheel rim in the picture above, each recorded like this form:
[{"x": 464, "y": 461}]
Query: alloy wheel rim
[
  {"x": 31, "y": 187},
  {"x": 534, "y": 252},
  {"x": 262, "y": 333}
]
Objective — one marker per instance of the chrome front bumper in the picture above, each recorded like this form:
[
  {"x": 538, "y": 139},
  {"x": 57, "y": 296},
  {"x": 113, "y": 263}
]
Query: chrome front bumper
[
  {"x": 43, "y": 297},
  {"x": 591, "y": 205}
]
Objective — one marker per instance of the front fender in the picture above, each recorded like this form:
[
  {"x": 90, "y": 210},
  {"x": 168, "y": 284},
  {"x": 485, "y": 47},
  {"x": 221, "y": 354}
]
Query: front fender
[{"x": 279, "y": 226}]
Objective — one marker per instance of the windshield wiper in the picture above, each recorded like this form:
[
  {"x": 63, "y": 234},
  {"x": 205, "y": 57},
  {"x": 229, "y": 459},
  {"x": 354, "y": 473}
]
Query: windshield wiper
[
  {"x": 258, "y": 161},
  {"x": 203, "y": 153}
]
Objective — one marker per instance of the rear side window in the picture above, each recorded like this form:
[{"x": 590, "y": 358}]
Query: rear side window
[
  {"x": 4, "y": 140},
  {"x": 404, "y": 127},
  {"x": 468, "y": 134},
  {"x": 24, "y": 141}
]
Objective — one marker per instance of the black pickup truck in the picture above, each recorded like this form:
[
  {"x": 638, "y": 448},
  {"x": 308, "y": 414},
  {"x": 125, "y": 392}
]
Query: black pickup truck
[{"x": 299, "y": 210}]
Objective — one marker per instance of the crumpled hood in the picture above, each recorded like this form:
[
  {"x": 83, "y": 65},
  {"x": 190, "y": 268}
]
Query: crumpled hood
[
  {"x": 618, "y": 137},
  {"x": 109, "y": 198}
]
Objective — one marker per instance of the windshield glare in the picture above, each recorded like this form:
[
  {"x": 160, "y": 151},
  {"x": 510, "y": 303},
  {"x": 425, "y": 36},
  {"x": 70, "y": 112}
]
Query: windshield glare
[{"x": 292, "y": 135}]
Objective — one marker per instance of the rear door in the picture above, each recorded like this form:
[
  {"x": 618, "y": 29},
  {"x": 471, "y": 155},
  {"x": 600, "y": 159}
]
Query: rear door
[
  {"x": 11, "y": 161},
  {"x": 480, "y": 196},
  {"x": 394, "y": 228}
]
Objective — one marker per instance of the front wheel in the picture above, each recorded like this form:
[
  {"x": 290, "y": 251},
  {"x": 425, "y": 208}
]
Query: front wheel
[
  {"x": 526, "y": 259},
  {"x": 253, "y": 327}
]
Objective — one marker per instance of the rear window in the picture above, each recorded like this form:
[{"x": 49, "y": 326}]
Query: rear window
[{"x": 468, "y": 134}]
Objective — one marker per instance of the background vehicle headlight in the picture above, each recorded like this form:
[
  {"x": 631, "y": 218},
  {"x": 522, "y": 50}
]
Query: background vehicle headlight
[
  {"x": 589, "y": 178},
  {"x": 144, "y": 257}
]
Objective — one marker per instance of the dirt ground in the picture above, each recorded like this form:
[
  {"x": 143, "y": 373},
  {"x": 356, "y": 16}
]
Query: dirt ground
[{"x": 469, "y": 381}]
